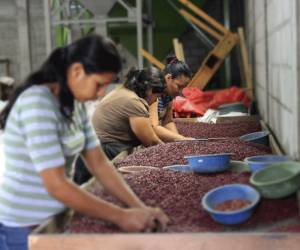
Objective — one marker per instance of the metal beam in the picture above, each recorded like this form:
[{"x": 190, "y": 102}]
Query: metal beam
[
  {"x": 139, "y": 28},
  {"x": 24, "y": 37},
  {"x": 125, "y": 5},
  {"x": 149, "y": 27},
  {"x": 48, "y": 26},
  {"x": 227, "y": 63},
  {"x": 203, "y": 37},
  {"x": 93, "y": 21},
  {"x": 101, "y": 28}
]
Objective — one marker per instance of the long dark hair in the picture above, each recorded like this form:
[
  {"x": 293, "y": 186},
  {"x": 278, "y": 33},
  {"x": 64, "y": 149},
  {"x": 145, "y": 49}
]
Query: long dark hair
[
  {"x": 139, "y": 81},
  {"x": 176, "y": 67},
  {"x": 97, "y": 55}
]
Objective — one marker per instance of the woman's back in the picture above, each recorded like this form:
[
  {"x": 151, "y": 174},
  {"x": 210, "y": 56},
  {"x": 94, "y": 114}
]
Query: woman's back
[{"x": 112, "y": 113}]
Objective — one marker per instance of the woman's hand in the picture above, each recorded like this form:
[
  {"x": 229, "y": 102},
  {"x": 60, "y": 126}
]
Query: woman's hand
[
  {"x": 134, "y": 219},
  {"x": 141, "y": 219},
  {"x": 159, "y": 216}
]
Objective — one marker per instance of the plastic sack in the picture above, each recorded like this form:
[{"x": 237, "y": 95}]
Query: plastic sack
[{"x": 196, "y": 102}]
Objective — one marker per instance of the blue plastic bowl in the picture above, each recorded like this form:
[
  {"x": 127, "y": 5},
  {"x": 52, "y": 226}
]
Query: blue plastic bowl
[
  {"x": 181, "y": 168},
  {"x": 261, "y": 137},
  {"x": 230, "y": 192},
  {"x": 209, "y": 163},
  {"x": 261, "y": 161}
]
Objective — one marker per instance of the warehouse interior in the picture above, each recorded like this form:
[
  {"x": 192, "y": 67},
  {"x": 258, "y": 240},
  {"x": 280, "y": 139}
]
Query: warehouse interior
[{"x": 240, "y": 100}]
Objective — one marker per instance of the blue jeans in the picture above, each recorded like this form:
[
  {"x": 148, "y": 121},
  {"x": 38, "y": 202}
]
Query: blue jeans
[{"x": 14, "y": 238}]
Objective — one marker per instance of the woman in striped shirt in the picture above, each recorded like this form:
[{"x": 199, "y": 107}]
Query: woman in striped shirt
[
  {"x": 177, "y": 75},
  {"x": 45, "y": 128}
]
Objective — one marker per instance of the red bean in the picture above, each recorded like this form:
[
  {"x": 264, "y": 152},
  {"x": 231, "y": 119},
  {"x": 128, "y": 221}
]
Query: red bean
[
  {"x": 231, "y": 205},
  {"x": 206, "y": 130},
  {"x": 173, "y": 153},
  {"x": 179, "y": 195}
]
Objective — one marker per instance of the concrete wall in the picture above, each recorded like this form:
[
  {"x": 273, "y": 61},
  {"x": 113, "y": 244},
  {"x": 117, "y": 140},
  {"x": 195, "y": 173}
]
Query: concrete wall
[
  {"x": 272, "y": 39},
  {"x": 37, "y": 33},
  {"x": 22, "y": 38},
  {"x": 9, "y": 32}
]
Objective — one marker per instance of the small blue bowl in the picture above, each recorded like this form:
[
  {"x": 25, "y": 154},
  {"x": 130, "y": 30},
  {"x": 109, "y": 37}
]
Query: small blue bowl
[
  {"x": 180, "y": 168},
  {"x": 211, "y": 163},
  {"x": 259, "y": 162},
  {"x": 230, "y": 192},
  {"x": 261, "y": 137}
]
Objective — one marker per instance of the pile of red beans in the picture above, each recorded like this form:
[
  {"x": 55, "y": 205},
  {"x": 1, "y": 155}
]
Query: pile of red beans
[
  {"x": 173, "y": 153},
  {"x": 179, "y": 195},
  {"x": 232, "y": 205},
  {"x": 206, "y": 130}
]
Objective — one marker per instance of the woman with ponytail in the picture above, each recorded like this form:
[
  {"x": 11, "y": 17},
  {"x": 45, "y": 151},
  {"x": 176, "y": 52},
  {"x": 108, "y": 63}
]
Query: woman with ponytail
[
  {"x": 176, "y": 76},
  {"x": 45, "y": 128},
  {"x": 121, "y": 118}
]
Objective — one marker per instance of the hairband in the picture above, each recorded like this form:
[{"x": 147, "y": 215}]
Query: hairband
[{"x": 174, "y": 60}]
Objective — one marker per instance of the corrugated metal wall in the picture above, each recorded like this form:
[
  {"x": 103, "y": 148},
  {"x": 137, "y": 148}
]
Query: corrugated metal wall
[{"x": 273, "y": 46}]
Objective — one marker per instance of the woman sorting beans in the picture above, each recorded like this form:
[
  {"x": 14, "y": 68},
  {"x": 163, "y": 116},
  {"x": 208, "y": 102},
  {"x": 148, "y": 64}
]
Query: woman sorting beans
[
  {"x": 176, "y": 75},
  {"x": 45, "y": 128},
  {"x": 121, "y": 118}
]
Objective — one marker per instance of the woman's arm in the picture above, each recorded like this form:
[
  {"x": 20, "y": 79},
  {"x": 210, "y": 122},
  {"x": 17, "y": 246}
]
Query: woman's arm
[
  {"x": 141, "y": 127},
  {"x": 107, "y": 174},
  {"x": 172, "y": 127},
  {"x": 162, "y": 132},
  {"x": 62, "y": 189},
  {"x": 168, "y": 122}
]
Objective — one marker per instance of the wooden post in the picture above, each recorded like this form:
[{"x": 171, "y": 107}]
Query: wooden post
[
  {"x": 178, "y": 49},
  {"x": 181, "y": 52},
  {"x": 152, "y": 59},
  {"x": 200, "y": 24},
  {"x": 245, "y": 62},
  {"x": 206, "y": 17},
  {"x": 214, "y": 60},
  {"x": 226, "y": 42}
]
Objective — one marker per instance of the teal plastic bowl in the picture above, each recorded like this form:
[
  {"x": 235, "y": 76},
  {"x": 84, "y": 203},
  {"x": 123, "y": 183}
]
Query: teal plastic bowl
[
  {"x": 232, "y": 107},
  {"x": 278, "y": 180}
]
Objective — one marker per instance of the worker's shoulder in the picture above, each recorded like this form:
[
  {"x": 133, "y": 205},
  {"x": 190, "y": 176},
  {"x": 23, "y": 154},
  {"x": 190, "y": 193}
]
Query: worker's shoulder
[
  {"x": 122, "y": 95},
  {"x": 38, "y": 95}
]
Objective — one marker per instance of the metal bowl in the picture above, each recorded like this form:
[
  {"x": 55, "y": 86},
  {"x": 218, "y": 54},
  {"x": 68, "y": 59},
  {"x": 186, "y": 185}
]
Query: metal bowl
[{"x": 179, "y": 168}]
